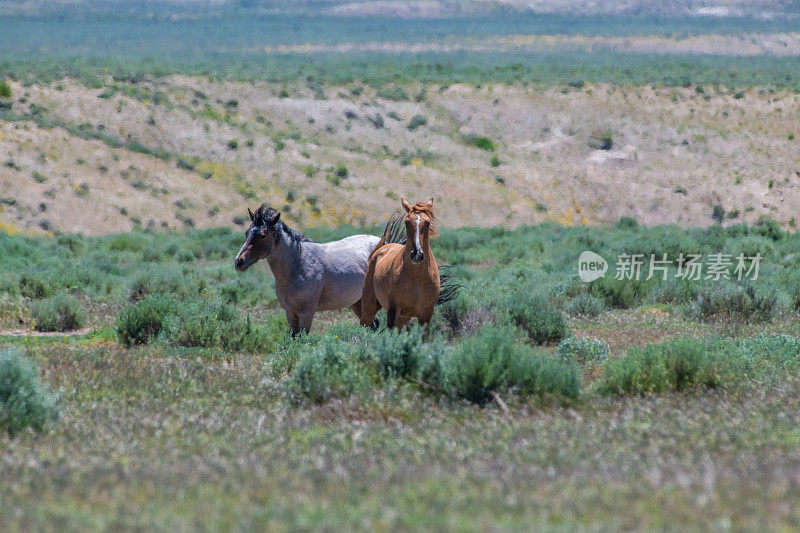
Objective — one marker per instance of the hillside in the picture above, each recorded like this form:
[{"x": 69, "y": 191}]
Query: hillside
[{"x": 177, "y": 150}]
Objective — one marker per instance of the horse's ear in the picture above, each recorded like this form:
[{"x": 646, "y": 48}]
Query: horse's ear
[
  {"x": 407, "y": 206},
  {"x": 430, "y": 201},
  {"x": 252, "y": 216},
  {"x": 275, "y": 219}
]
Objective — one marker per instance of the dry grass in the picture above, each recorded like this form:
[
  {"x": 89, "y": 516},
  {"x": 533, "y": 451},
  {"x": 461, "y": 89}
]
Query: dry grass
[{"x": 157, "y": 440}]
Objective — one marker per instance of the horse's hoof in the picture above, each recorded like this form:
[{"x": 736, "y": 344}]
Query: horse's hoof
[{"x": 375, "y": 324}]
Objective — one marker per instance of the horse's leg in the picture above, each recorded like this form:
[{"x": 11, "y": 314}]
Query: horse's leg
[
  {"x": 425, "y": 320},
  {"x": 306, "y": 317},
  {"x": 394, "y": 319},
  {"x": 294, "y": 323},
  {"x": 401, "y": 321},
  {"x": 356, "y": 307},
  {"x": 369, "y": 302},
  {"x": 425, "y": 317}
]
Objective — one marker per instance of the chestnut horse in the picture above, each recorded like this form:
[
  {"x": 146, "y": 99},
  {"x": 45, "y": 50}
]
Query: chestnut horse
[{"x": 403, "y": 278}]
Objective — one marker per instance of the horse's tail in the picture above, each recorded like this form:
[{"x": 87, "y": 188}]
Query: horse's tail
[
  {"x": 393, "y": 232},
  {"x": 449, "y": 287}
]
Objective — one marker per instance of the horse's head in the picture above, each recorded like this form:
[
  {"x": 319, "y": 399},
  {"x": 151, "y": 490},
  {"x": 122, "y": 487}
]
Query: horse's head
[
  {"x": 419, "y": 226},
  {"x": 260, "y": 237}
]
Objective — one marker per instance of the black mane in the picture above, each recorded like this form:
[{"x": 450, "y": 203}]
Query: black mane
[
  {"x": 266, "y": 215},
  {"x": 293, "y": 234}
]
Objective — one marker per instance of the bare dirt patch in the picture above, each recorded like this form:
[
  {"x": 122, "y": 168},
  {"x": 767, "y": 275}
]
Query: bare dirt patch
[{"x": 34, "y": 333}]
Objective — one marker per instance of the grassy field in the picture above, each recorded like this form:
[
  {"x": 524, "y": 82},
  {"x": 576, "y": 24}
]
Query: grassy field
[{"x": 185, "y": 432}]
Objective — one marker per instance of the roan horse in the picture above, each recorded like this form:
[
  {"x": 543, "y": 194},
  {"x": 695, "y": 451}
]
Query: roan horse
[
  {"x": 403, "y": 278},
  {"x": 309, "y": 276}
]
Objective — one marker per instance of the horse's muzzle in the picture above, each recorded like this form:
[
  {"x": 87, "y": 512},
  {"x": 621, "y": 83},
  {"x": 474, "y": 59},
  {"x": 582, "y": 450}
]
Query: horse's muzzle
[
  {"x": 417, "y": 257},
  {"x": 240, "y": 264}
]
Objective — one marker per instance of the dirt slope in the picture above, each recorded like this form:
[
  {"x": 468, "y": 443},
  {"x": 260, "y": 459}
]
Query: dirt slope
[{"x": 337, "y": 155}]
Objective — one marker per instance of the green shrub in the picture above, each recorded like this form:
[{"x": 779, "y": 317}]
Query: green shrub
[
  {"x": 141, "y": 322},
  {"x": 24, "y": 400},
  {"x": 688, "y": 363},
  {"x": 752, "y": 245},
  {"x": 398, "y": 355},
  {"x": 479, "y": 365},
  {"x": 169, "y": 282},
  {"x": 196, "y": 323},
  {"x": 622, "y": 293},
  {"x": 764, "y": 355},
  {"x": 233, "y": 144},
  {"x": 5, "y": 89},
  {"x": 769, "y": 228},
  {"x": 185, "y": 163},
  {"x": 341, "y": 171},
  {"x": 60, "y": 313},
  {"x": 792, "y": 287},
  {"x": 535, "y": 316},
  {"x": 349, "y": 360},
  {"x": 416, "y": 122},
  {"x": 248, "y": 290},
  {"x": 35, "y": 285},
  {"x": 585, "y": 305},
  {"x": 127, "y": 242},
  {"x": 678, "y": 364},
  {"x": 736, "y": 303},
  {"x": 484, "y": 143},
  {"x": 495, "y": 161},
  {"x": 325, "y": 367},
  {"x": 583, "y": 350},
  {"x": 538, "y": 373},
  {"x": 626, "y": 223},
  {"x": 209, "y": 325},
  {"x": 602, "y": 140},
  {"x": 491, "y": 362},
  {"x": 675, "y": 291},
  {"x": 718, "y": 213},
  {"x": 394, "y": 93},
  {"x": 464, "y": 317},
  {"x": 146, "y": 150}
]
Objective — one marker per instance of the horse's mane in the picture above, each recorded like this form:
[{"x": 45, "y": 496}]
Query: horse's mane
[
  {"x": 266, "y": 214},
  {"x": 426, "y": 209}
]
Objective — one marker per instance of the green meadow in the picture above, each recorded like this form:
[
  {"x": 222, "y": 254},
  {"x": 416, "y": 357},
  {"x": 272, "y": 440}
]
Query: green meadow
[{"x": 536, "y": 399}]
